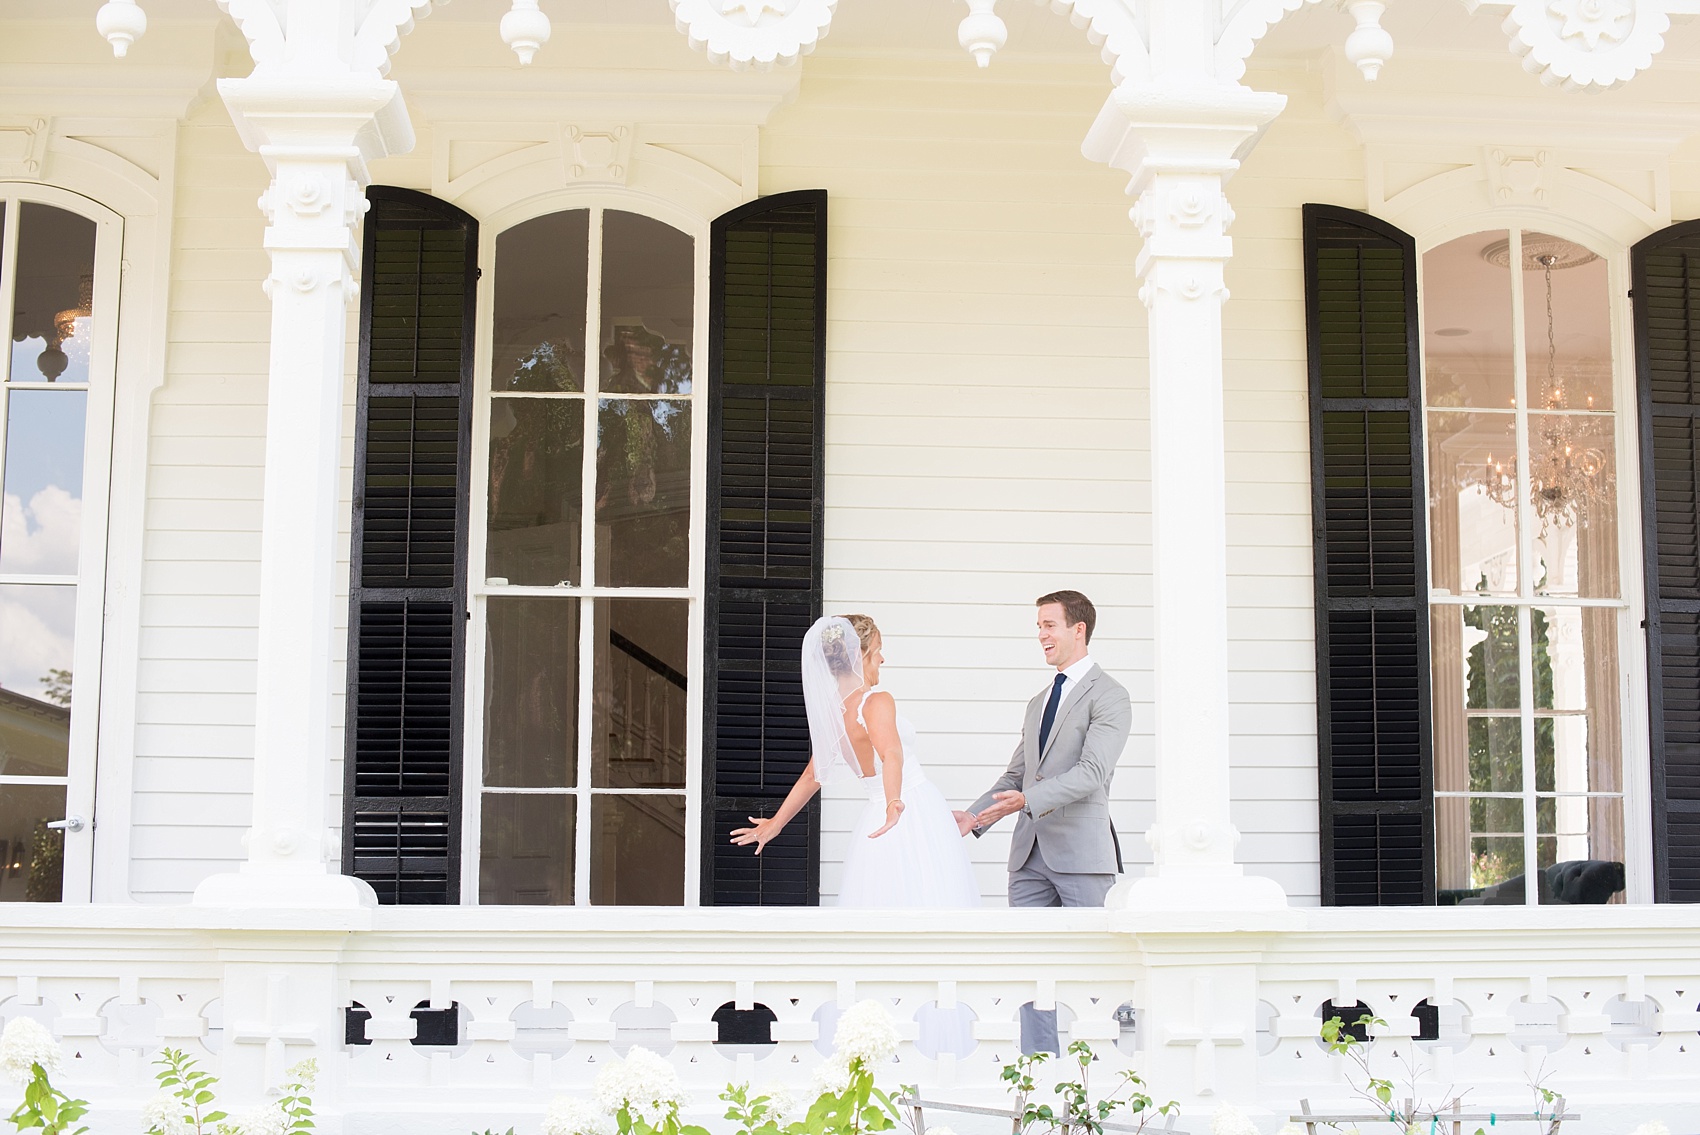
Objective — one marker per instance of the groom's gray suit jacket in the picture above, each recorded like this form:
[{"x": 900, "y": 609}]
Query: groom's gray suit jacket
[{"x": 1068, "y": 785}]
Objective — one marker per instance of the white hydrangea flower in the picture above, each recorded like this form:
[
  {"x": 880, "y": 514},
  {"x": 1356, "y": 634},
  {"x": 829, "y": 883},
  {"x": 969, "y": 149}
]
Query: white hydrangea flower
[
  {"x": 832, "y": 1076},
  {"x": 569, "y": 1115},
  {"x": 782, "y": 1105},
  {"x": 940, "y": 1131},
  {"x": 1652, "y": 1127},
  {"x": 643, "y": 1084},
  {"x": 163, "y": 1114},
  {"x": 1293, "y": 1129},
  {"x": 1230, "y": 1120},
  {"x": 267, "y": 1119},
  {"x": 865, "y": 1033},
  {"x": 25, "y": 1044},
  {"x": 303, "y": 1072}
]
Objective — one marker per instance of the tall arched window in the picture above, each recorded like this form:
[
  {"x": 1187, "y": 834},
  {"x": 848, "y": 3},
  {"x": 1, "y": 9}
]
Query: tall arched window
[
  {"x": 1526, "y": 594},
  {"x": 58, "y": 291},
  {"x": 587, "y": 564}
]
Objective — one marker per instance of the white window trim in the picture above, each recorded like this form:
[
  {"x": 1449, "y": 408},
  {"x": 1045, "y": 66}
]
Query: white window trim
[
  {"x": 90, "y": 579},
  {"x": 1632, "y": 639},
  {"x": 478, "y": 592}
]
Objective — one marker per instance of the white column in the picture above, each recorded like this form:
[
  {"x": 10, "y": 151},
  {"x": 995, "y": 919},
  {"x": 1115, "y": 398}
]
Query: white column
[
  {"x": 316, "y": 135},
  {"x": 1180, "y": 140}
]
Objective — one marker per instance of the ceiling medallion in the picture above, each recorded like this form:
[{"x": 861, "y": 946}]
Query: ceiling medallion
[
  {"x": 1582, "y": 44},
  {"x": 753, "y": 33},
  {"x": 1540, "y": 252}
]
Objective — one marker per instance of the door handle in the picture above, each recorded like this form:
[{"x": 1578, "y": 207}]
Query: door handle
[{"x": 69, "y": 824}]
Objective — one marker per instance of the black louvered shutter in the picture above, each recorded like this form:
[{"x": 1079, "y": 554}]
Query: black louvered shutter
[
  {"x": 1368, "y": 515},
  {"x": 767, "y": 360},
  {"x": 1666, "y": 286},
  {"x": 407, "y": 592}
]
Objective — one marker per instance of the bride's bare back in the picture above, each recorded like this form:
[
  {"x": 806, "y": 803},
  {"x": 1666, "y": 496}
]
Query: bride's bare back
[{"x": 870, "y": 723}]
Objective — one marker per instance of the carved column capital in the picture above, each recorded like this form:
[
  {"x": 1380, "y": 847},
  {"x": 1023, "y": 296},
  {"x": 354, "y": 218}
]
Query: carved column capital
[
  {"x": 1180, "y": 146},
  {"x": 317, "y": 137}
]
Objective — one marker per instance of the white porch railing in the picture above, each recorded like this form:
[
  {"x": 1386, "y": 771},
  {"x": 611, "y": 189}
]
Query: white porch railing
[{"x": 1601, "y": 1004}]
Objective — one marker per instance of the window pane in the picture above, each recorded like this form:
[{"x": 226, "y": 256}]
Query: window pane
[
  {"x": 41, "y": 525},
  {"x": 37, "y": 629},
  {"x": 52, "y": 315},
  {"x": 1452, "y": 849},
  {"x": 637, "y": 850},
  {"x": 1490, "y": 658},
  {"x": 526, "y": 856},
  {"x": 643, "y": 493},
  {"x": 1575, "y": 665},
  {"x": 1569, "y": 349},
  {"x": 1479, "y": 852},
  {"x": 1473, "y": 502},
  {"x": 648, "y": 305},
  {"x": 541, "y": 270},
  {"x": 1496, "y": 859},
  {"x": 1467, "y": 322},
  {"x": 1496, "y": 754},
  {"x": 32, "y": 855},
  {"x": 1446, "y": 658},
  {"x": 1580, "y": 843},
  {"x": 1573, "y": 489},
  {"x": 638, "y": 736},
  {"x": 536, "y": 490},
  {"x": 531, "y": 693}
]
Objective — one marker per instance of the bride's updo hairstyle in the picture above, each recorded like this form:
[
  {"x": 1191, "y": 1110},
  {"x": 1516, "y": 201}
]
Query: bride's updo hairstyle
[{"x": 837, "y": 651}]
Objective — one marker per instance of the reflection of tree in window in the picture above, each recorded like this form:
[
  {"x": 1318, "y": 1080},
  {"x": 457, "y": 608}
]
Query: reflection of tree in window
[
  {"x": 47, "y": 865},
  {"x": 642, "y": 362},
  {"x": 1495, "y": 742},
  {"x": 536, "y": 479},
  {"x": 58, "y": 687},
  {"x": 644, "y": 462},
  {"x": 643, "y": 491},
  {"x": 548, "y": 367}
]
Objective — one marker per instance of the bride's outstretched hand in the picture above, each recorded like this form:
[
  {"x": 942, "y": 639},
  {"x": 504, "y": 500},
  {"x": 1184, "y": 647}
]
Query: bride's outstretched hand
[
  {"x": 763, "y": 831},
  {"x": 965, "y": 822},
  {"x": 893, "y": 813}
]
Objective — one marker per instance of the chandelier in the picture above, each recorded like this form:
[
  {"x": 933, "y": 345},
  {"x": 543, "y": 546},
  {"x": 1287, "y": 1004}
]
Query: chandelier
[{"x": 1568, "y": 478}]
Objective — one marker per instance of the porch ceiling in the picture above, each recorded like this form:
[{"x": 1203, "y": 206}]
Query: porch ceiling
[{"x": 1432, "y": 28}]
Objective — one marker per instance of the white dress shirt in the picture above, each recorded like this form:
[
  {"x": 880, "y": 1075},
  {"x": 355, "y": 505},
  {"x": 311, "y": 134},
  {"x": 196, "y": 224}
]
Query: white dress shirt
[{"x": 1073, "y": 675}]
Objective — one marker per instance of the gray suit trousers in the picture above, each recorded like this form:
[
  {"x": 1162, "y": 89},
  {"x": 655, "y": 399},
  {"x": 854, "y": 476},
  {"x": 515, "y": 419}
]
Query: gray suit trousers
[{"x": 1035, "y": 884}]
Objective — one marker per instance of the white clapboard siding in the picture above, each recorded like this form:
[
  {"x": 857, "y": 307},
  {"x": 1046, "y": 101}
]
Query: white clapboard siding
[{"x": 200, "y": 576}]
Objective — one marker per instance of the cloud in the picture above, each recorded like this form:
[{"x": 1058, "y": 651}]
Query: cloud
[
  {"x": 41, "y": 538},
  {"x": 37, "y": 626}
]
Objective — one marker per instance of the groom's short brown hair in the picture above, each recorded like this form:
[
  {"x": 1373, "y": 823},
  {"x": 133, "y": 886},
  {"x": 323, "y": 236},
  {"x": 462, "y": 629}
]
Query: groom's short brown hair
[{"x": 1076, "y": 608}]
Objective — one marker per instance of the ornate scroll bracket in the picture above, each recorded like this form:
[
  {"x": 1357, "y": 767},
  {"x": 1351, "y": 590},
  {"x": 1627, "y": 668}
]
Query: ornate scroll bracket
[{"x": 754, "y": 33}]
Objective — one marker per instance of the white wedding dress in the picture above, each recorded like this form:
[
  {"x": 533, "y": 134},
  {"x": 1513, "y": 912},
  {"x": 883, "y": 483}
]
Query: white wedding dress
[{"x": 922, "y": 862}]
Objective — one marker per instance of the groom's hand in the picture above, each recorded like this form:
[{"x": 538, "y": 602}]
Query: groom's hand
[
  {"x": 965, "y": 822},
  {"x": 1004, "y": 803}
]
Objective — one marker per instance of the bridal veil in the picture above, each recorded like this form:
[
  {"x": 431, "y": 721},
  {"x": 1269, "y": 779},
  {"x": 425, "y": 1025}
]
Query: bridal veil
[{"x": 832, "y": 672}]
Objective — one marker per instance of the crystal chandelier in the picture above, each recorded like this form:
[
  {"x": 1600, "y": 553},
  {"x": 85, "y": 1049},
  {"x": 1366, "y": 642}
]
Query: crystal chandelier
[{"x": 1567, "y": 477}]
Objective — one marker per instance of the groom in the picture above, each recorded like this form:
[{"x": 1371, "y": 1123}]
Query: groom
[{"x": 1064, "y": 851}]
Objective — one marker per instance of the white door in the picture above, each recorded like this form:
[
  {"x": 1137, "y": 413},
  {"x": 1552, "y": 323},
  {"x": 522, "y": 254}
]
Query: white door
[{"x": 59, "y": 269}]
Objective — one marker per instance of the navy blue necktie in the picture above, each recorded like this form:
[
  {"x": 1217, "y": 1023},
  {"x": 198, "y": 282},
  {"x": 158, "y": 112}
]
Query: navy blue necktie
[{"x": 1050, "y": 717}]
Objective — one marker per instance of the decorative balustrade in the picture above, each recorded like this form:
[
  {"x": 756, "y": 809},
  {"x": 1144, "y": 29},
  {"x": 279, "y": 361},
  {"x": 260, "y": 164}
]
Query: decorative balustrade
[{"x": 428, "y": 1020}]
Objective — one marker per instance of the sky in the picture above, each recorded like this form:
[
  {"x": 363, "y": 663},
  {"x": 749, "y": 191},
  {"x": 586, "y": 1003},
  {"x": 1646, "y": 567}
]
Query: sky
[{"x": 40, "y": 525}]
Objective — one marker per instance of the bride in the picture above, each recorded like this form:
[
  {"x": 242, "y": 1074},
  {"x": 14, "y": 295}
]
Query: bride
[{"x": 906, "y": 848}]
